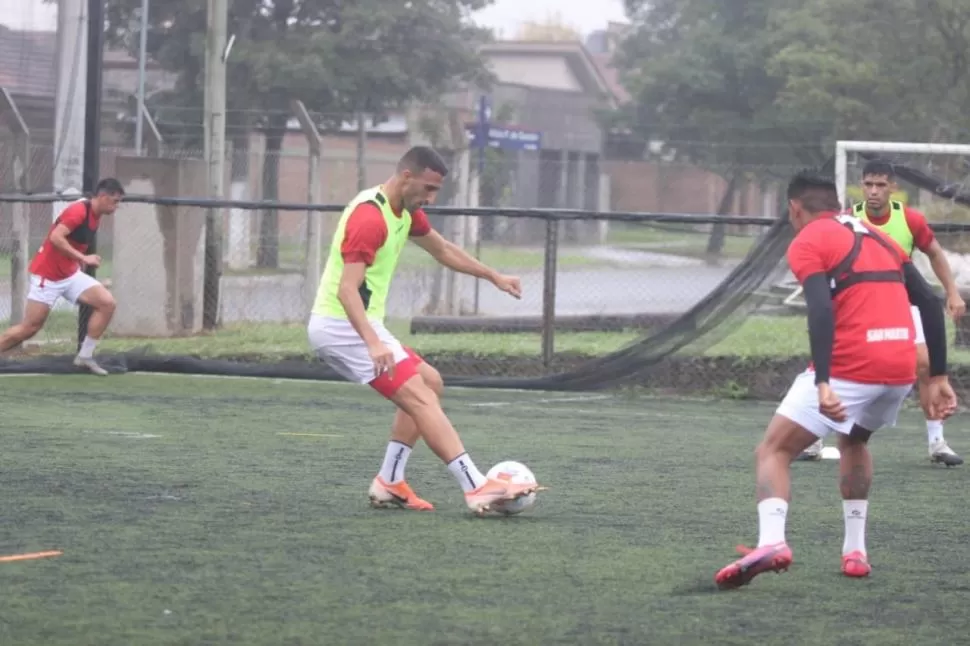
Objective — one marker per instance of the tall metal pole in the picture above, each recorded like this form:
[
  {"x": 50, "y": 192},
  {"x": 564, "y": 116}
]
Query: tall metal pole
[
  {"x": 92, "y": 131},
  {"x": 142, "y": 47},
  {"x": 215, "y": 155},
  {"x": 69, "y": 101}
]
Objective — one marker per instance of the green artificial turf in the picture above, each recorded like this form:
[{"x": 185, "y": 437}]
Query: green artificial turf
[{"x": 198, "y": 510}]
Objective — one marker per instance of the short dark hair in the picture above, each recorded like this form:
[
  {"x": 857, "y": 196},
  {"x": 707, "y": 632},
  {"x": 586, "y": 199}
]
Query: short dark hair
[
  {"x": 816, "y": 192},
  {"x": 109, "y": 185},
  {"x": 879, "y": 167},
  {"x": 420, "y": 158}
]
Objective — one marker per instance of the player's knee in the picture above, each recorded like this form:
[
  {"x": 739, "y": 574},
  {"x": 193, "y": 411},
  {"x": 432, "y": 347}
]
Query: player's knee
[
  {"x": 432, "y": 379},
  {"x": 415, "y": 396},
  {"x": 107, "y": 303},
  {"x": 99, "y": 298}
]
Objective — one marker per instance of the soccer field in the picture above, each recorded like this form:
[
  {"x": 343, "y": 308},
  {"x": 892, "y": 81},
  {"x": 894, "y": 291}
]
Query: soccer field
[{"x": 215, "y": 511}]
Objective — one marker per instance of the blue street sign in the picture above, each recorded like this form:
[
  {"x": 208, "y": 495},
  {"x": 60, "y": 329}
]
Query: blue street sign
[
  {"x": 484, "y": 133},
  {"x": 497, "y": 136}
]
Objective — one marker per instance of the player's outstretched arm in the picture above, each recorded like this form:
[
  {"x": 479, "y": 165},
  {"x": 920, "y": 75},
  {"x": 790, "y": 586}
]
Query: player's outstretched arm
[
  {"x": 931, "y": 312},
  {"x": 455, "y": 258}
]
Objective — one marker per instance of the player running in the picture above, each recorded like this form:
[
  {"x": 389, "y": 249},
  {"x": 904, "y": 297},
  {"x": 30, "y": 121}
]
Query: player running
[
  {"x": 909, "y": 228},
  {"x": 346, "y": 327},
  {"x": 56, "y": 272},
  {"x": 858, "y": 285}
]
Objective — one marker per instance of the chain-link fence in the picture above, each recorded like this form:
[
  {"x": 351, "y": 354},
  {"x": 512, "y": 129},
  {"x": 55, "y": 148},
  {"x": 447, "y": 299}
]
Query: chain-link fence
[{"x": 607, "y": 274}]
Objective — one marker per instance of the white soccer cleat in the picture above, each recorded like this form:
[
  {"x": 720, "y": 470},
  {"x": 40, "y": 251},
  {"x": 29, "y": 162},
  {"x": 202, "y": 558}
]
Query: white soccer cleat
[
  {"x": 941, "y": 453},
  {"x": 89, "y": 364}
]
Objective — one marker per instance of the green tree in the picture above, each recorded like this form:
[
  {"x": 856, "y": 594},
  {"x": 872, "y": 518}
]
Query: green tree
[
  {"x": 699, "y": 76},
  {"x": 878, "y": 69},
  {"x": 337, "y": 57}
]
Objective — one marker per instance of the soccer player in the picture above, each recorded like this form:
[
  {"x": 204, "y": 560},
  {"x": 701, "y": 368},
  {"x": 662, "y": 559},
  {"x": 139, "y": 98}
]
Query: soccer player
[
  {"x": 909, "y": 228},
  {"x": 858, "y": 286},
  {"x": 346, "y": 328},
  {"x": 56, "y": 272}
]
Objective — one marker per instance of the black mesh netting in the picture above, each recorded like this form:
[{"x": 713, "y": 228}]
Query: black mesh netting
[{"x": 743, "y": 291}]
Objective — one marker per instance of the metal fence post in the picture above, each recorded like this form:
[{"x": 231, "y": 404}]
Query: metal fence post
[
  {"x": 549, "y": 292},
  {"x": 314, "y": 238},
  {"x": 21, "y": 166}
]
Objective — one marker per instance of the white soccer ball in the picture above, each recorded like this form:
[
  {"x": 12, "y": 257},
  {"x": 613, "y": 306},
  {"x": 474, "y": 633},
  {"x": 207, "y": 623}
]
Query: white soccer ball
[{"x": 516, "y": 473}]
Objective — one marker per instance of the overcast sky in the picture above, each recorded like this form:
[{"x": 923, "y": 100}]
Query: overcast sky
[{"x": 503, "y": 15}]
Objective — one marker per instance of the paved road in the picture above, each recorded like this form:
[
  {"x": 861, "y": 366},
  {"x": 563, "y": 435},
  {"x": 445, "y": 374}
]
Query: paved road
[{"x": 662, "y": 288}]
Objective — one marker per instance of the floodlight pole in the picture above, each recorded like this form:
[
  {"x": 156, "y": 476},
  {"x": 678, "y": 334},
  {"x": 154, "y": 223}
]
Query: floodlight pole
[
  {"x": 142, "y": 50},
  {"x": 92, "y": 134},
  {"x": 216, "y": 53}
]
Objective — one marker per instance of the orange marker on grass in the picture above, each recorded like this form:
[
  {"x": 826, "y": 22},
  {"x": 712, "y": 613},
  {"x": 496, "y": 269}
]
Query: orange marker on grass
[{"x": 29, "y": 557}]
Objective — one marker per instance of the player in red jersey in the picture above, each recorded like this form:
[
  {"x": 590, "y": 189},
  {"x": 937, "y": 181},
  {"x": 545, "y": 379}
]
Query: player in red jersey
[
  {"x": 910, "y": 229},
  {"x": 858, "y": 285},
  {"x": 57, "y": 272}
]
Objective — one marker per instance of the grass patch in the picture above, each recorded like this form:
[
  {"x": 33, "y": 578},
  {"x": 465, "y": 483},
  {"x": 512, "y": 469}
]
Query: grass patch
[
  {"x": 758, "y": 336},
  {"x": 186, "y": 515}
]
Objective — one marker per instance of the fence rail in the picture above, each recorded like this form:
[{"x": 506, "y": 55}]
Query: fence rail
[
  {"x": 477, "y": 211},
  {"x": 582, "y": 276},
  {"x": 585, "y": 296}
]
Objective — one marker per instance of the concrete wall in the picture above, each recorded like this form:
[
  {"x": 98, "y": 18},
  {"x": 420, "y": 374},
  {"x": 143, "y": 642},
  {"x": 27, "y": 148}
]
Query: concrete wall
[{"x": 158, "y": 250}]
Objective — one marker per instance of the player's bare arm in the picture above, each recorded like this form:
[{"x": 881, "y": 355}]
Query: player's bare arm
[
  {"x": 455, "y": 258},
  {"x": 941, "y": 267},
  {"x": 59, "y": 240},
  {"x": 348, "y": 293}
]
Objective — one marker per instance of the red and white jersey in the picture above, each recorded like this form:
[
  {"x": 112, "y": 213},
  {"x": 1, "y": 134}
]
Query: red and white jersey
[
  {"x": 874, "y": 333},
  {"x": 52, "y": 264},
  {"x": 366, "y": 232}
]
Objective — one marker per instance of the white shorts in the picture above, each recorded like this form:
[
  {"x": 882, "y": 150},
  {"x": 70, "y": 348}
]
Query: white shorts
[
  {"x": 70, "y": 289},
  {"x": 918, "y": 324},
  {"x": 871, "y": 406},
  {"x": 336, "y": 342}
]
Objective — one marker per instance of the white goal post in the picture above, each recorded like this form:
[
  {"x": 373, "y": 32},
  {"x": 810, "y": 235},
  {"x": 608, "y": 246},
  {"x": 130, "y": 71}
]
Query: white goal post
[{"x": 844, "y": 147}]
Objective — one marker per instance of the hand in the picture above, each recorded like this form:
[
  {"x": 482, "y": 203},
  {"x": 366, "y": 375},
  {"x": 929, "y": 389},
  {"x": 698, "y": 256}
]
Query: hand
[
  {"x": 940, "y": 400},
  {"x": 509, "y": 284},
  {"x": 91, "y": 261},
  {"x": 829, "y": 403},
  {"x": 955, "y": 306},
  {"x": 383, "y": 358}
]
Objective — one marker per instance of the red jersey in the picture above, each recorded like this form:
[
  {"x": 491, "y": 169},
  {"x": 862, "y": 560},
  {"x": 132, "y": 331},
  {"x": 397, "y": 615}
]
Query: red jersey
[
  {"x": 53, "y": 264},
  {"x": 923, "y": 235},
  {"x": 874, "y": 333},
  {"x": 366, "y": 231}
]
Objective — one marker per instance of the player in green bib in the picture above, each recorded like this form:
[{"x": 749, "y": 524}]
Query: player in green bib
[
  {"x": 911, "y": 230},
  {"x": 346, "y": 328}
]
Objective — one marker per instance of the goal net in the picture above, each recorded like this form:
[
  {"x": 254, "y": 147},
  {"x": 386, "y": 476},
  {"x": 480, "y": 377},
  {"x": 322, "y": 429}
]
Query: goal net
[{"x": 933, "y": 178}]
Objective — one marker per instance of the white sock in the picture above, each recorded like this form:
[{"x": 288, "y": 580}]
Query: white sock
[
  {"x": 467, "y": 474},
  {"x": 855, "y": 525},
  {"x": 772, "y": 513},
  {"x": 395, "y": 459},
  {"x": 934, "y": 431},
  {"x": 87, "y": 347}
]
